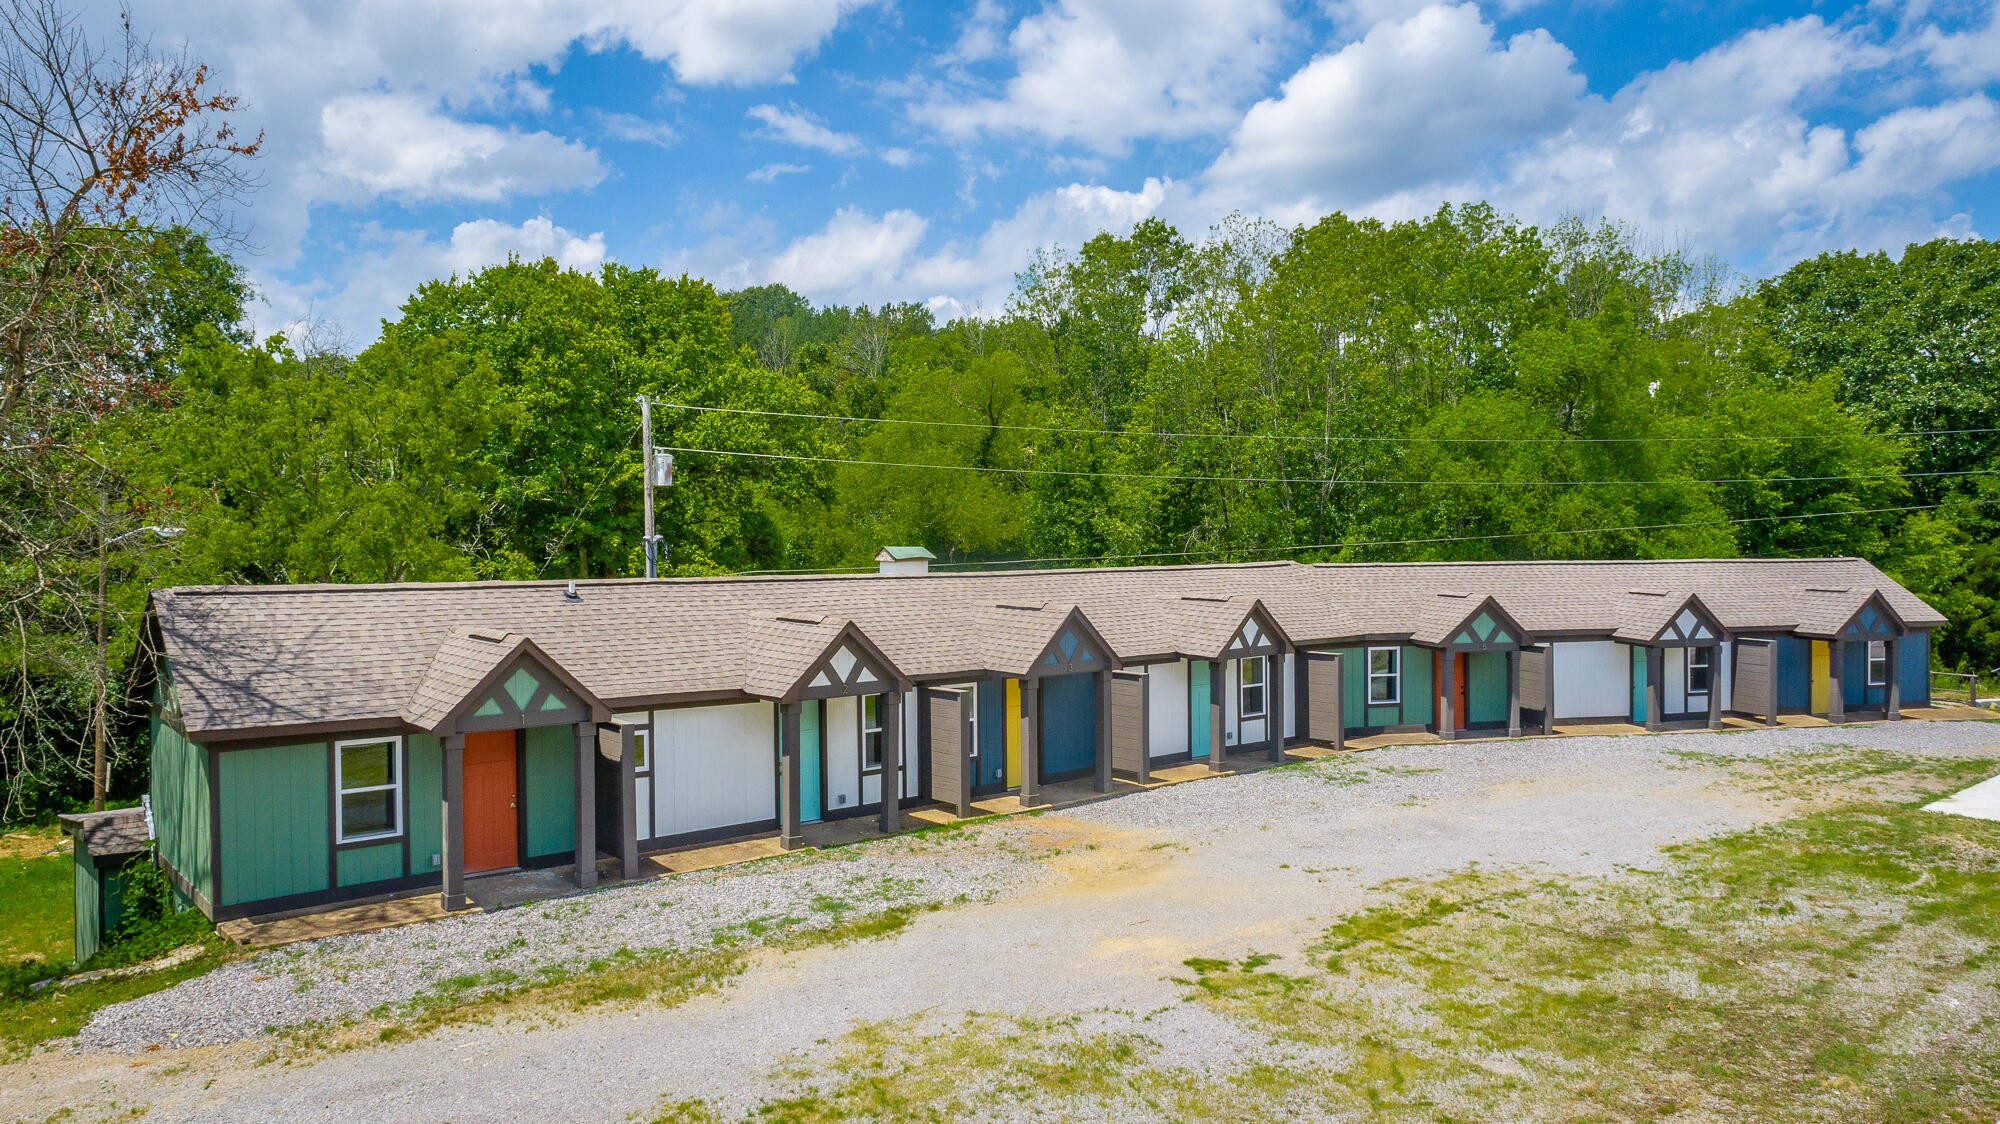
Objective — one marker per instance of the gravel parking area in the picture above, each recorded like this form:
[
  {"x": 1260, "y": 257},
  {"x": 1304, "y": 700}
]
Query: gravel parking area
[{"x": 1078, "y": 913}]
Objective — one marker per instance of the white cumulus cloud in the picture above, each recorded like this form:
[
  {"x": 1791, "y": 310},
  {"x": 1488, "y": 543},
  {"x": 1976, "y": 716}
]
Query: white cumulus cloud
[{"x": 396, "y": 144}]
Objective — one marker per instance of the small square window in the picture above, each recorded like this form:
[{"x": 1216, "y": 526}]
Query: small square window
[
  {"x": 1250, "y": 683},
  {"x": 1878, "y": 663},
  {"x": 642, "y": 750},
  {"x": 1700, "y": 670}
]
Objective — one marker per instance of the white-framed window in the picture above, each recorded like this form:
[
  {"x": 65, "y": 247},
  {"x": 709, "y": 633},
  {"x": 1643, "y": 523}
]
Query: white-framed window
[
  {"x": 1385, "y": 676},
  {"x": 1701, "y": 670},
  {"x": 369, "y": 773},
  {"x": 978, "y": 689},
  {"x": 871, "y": 733},
  {"x": 1250, "y": 687},
  {"x": 642, "y": 750},
  {"x": 1878, "y": 663}
]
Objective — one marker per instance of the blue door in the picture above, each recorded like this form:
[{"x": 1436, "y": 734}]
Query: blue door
[
  {"x": 1069, "y": 726},
  {"x": 992, "y": 769},
  {"x": 1638, "y": 684},
  {"x": 1198, "y": 724},
  {"x": 809, "y": 762},
  {"x": 1794, "y": 673}
]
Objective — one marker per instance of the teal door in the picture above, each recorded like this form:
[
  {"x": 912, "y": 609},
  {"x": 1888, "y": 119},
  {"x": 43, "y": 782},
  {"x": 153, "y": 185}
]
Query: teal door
[
  {"x": 809, "y": 762},
  {"x": 1069, "y": 726},
  {"x": 1638, "y": 684},
  {"x": 1198, "y": 730}
]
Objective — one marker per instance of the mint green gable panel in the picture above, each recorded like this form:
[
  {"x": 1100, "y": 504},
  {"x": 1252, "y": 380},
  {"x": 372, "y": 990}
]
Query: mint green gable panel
[
  {"x": 424, "y": 760},
  {"x": 1200, "y": 729},
  {"x": 180, "y": 807},
  {"x": 88, "y": 908},
  {"x": 114, "y": 881},
  {"x": 1418, "y": 692},
  {"x": 1486, "y": 686},
  {"x": 275, "y": 828},
  {"x": 551, "y": 790},
  {"x": 1354, "y": 687},
  {"x": 370, "y": 864}
]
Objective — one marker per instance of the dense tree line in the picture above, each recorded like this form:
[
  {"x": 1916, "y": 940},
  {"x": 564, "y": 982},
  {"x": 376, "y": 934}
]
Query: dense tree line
[{"x": 1462, "y": 387}]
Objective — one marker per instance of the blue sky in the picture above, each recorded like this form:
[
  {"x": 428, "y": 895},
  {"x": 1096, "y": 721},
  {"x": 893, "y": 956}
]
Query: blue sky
[{"x": 864, "y": 152}]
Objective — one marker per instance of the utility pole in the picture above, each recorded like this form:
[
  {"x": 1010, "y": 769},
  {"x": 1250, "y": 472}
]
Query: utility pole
[
  {"x": 97, "y": 717},
  {"x": 659, "y": 474},
  {"x": 646, "y": 448}
]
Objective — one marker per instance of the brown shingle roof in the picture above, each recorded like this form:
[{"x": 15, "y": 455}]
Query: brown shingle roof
[
  {"x": 114, "y": 831},
  {"x": 262, "y": 657}
]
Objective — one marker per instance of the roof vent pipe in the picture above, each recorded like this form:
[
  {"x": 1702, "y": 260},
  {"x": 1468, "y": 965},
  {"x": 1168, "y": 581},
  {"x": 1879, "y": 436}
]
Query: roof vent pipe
[
  {"x": 905, "y": 560},
  {"x": 570, "y": 593}
]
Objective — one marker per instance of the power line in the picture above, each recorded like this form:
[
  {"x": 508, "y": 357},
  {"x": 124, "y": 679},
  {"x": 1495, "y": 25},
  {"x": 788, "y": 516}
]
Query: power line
[
  {"x": 1217, "y": 479},
  {"x": 1308, "y": 439},
  {"x": 1299, "y": 548}
]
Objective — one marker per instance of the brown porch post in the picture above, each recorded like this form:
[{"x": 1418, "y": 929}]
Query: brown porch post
[
  {"x": 892, "y": 761},
  {"x": 788, "y": 787},
  {"x": 1031, "y": 738},
  {"x": 1102, "y": 782},
  {"x": 586, "y": 805},
  {"x": 1892, "y": 654},
  {"x": 1836, "y": 671},
  {"x": 1217, "y": 754},
  {"x": 1514, "y": 693},
  {"x": 1715, "y": 686},
  {"x": 1447, "y": 695},
  {"x": 1656, "y": 688},
  {"x": 1274, "y": 706},
  {"x": 1549, "y": 688},
  {"x": 1340, "y": 699},
  {"x": 454, "y": 821},
  {"x": 1772, "y": 720}
]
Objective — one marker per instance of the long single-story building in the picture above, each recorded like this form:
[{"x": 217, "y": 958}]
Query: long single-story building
[{"x": 318, "y": 744}]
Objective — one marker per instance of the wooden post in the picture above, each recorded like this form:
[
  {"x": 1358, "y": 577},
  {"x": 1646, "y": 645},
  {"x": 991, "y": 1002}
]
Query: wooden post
[
  {"x": 1892, "y": 699},
  {"x": 1274, "y": 706},
  {"x": 1448, "y": 695},
  {"x": 1715, "y": 687},
  {"x": 1656, "y": 688},
  {"x": 892, "y": 760},
  {"x": 1217, "y": 753},
  {"x": 1549, "y": 688},
  {"x": 586, "y": 805},
  {"x": 1514, "y": 693},
  {"x": 1772, "y": 719},
  {"x": 1836, "y": 672},
  {"x": 1031, "y": 738},
  {"x": 789, "y": 735},
  {"x": 1102, "y": 781},
  {"x": 454, "y": 821}
]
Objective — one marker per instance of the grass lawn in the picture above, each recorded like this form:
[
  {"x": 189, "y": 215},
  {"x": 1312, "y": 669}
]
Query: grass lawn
[
  {"x": 1841, "y": 964},
  {"x": 35, "y": 895}
]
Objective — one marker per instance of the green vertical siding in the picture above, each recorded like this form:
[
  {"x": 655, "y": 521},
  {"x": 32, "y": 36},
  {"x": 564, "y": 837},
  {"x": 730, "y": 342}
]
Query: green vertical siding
[
  {"x": 1418, "y": 689},
  {"x": 180, "y": 806},
  {"x": 1486, "y": 686},
  {"x": 275, "y": 825},
  {"x": 371, "y": 864},
  {"x": 1354, "y": 688},
  {"x": 551, "y": 791},
  {"x": 88, "y": 908},
  {"x": 424, "y": 760}
]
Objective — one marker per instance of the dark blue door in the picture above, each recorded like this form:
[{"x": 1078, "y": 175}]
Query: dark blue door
[
  {"x": 1069, "y": 726},
  {"x": 992, "y": 770},
  {"x": 1794, "y": 673}
]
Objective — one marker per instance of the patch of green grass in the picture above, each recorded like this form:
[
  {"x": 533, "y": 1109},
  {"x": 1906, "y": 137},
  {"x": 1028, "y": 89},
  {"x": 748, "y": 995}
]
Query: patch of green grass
[
  {"x": 58, "y": 1012},
  {"x": 35, "y": 885},
  {"x": 1848, "y": 769}
]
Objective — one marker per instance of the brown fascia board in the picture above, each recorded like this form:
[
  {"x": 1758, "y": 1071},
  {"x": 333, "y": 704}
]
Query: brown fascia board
[{"x": 253, "y": 737}]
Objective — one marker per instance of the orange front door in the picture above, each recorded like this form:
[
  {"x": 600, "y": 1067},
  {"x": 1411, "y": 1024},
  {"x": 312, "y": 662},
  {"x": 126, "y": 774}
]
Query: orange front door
[
  {"x": 492, "y": 825},
  {"x": 1458, "y": 691}
]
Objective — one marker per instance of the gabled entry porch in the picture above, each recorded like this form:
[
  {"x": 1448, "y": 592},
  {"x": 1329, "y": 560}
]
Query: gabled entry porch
[
  {"x": 1476, "y": 659},
  {"x": 520, "y": 744}
]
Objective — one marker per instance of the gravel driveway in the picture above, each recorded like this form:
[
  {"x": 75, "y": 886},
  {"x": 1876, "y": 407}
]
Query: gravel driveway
[{"x": 1224, "y": 867}]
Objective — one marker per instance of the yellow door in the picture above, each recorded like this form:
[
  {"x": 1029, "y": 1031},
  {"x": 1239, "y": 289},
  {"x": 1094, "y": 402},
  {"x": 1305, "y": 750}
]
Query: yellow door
[
  {"x": 1822, "y": 679},
  {"x": 1012, "y": 722}
]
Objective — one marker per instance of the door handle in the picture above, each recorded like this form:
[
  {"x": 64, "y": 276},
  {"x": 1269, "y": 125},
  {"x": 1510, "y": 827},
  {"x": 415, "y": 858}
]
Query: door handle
[{"x": 510, "y": 803}]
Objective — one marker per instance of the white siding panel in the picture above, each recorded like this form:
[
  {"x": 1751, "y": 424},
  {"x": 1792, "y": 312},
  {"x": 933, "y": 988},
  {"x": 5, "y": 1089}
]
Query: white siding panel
[
  {"x": 1722, "y": 676},
  {"x": 642, "y": 806},
  {"x": 1593, "y": 678},
  {"x": 1674, "y": 694},
  {"x": 912, "y": 774},
  {"x": 843, "y": 754},
  {"x": 714, "y": 766},
  {"x": 1291, "y": 694},
  {"x": 1236, "y": 731},
  {"x": 1166, "y": 709}
]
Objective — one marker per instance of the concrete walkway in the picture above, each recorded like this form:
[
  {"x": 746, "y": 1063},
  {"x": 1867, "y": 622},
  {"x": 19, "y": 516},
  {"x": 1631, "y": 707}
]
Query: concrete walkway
[{"x": 1981, "y": 801}]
